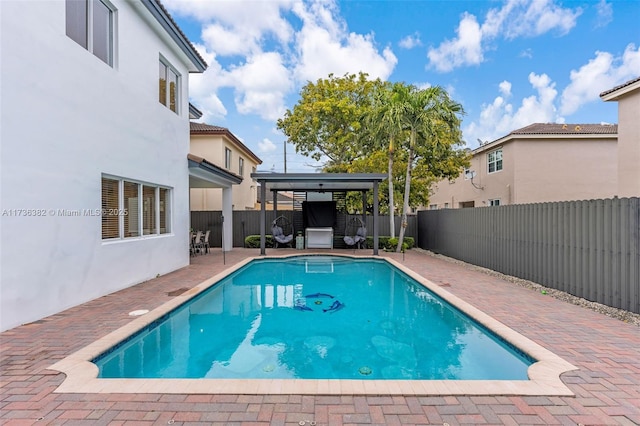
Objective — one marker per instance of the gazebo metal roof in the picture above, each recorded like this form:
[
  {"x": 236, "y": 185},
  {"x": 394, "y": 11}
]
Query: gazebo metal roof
[{"x": 309, "y": 182}]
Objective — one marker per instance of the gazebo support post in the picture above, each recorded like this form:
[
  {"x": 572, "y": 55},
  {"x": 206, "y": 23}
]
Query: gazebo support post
[
  {"x": 375, "y": 218},
  {"x": 275, "y": 204},
  {"x": 364, "y": 208},
  {"x": 263, "y": 217}
]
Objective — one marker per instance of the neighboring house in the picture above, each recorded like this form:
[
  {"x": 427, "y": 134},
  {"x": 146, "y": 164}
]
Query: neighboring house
[
  {"x": 95, "y": 138},
  {"x": 285, "y": 201},
  {"x": 221, "y": 147},
  {"x": 542, "y": 162},
  {"x": 628, "y": 97}
]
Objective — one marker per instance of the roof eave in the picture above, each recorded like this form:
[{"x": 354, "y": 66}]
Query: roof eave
[
  {"x": 196, "y": 162},
  {"x": 511, "y": 137},
  {"x": 194, "y": 113},
  {"x": 616, "y": 94},
  {"x": 226, "y": 132},
  {"x": 167, "y": 23}
]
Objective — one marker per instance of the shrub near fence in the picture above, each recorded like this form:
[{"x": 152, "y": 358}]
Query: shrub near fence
[{"x": 590, "y": 249}]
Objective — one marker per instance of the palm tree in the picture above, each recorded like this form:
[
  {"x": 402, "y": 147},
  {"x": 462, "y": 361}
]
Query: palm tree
[
  {"x": 386, "y": 124},
  {"x": 426, "y": 114}
]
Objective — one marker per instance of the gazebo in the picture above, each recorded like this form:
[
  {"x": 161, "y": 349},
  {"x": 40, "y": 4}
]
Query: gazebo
[{"x": 318, "y": 182}]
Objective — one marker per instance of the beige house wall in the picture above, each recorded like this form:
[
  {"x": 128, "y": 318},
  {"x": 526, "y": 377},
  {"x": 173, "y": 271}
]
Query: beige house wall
[
  {"x": 212, "y": 147},
  {"x": 629, "y": 145},
  {"x": 564, "y": 170},
  {"x": 482, "y": 188},
  {"x": 536, "y": 170}
]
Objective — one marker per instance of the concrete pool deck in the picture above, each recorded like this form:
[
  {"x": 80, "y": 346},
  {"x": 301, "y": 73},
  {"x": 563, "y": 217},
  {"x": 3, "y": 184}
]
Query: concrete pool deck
[{"x": 606, "y": 352}]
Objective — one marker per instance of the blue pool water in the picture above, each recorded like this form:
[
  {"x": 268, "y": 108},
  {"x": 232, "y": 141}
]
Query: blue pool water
[{"x": 314, "y": 317}]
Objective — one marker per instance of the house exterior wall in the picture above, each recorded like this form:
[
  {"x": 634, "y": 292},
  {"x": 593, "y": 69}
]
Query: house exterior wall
[
  {"x": 212, "y": 147},
  {"x": 564, "y": 170},
  {"x": 537, "y": 170},
  {"x": 495, "y": 185},
  {"x": 68, "y": 118},
  {"x": 629, "y": 145}
]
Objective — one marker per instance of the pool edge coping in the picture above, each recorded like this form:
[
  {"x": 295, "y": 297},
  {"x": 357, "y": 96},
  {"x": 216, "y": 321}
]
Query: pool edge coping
[{"x": 544, "y": 375}]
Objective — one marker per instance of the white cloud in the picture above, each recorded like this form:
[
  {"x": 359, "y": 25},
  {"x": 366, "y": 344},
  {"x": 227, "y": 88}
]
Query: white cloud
[
  {"x": 203, "y": 88},
  {"x": 247, "y": 19},
  {"x": 410, "y": 41},
  {"x": 601, "y": 73},
  {"x": 324, "y": 46},
  {"x": 605, "y": 14},
  {"x": 526, "y": 53},
  {"x": 505, "y": 88},
  {"x": 266, "y": 146},
  {"x": 539, "y": 17},
  {"x": 227, "y": 41},
  {"x": 516, "y": 18},
  {"x": 260, "y": 84},
  {"x": 500, "y": 117},
  {"x": 265, "y": 58},
  {"x": 466, "y": 49},
  {"x": 425, "y": 85}
]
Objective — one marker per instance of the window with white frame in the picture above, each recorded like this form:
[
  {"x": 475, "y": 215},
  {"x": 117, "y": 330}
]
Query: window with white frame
[
  {"x": 227, "y": 158},
  {"x": 90, "y": 23},
  {"x": 169, "y": 86},
  {"x": 241, "y": 166},
  {"x": 132, "y": 209},
  {"x": 494, "y": 160},
  {"x": 494, "y": 202},
  {"x": 433, "y": 207}
]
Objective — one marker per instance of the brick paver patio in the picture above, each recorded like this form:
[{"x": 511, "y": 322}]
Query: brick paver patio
[{"x": 606, "y": 350}]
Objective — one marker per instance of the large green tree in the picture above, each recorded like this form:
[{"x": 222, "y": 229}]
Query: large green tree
[
  {"x": 360, "y": 125},
  {"x": 326, "y": 123}
]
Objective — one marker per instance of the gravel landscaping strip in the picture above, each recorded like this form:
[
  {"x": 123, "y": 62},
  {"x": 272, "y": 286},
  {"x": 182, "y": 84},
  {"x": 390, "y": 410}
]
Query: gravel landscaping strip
[{"x": 620, "y": 314}]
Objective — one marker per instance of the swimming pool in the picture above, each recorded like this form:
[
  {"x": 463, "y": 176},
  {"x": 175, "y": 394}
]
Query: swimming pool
[
  {"x": 378, "y": 356},
  {"x": 316, "y": 317}
]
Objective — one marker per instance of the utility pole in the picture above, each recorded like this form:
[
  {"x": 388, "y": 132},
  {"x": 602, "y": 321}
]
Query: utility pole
[{"x": 285, "y": 156}]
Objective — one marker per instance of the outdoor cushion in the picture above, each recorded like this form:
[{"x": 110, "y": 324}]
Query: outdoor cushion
[{"x": 276, "y": 231}]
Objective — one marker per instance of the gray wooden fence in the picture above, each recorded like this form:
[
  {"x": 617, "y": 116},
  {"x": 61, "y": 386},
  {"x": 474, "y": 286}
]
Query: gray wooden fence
[
  {"x": 247, "y": 222},
  {"x": 590, "y": 249}
]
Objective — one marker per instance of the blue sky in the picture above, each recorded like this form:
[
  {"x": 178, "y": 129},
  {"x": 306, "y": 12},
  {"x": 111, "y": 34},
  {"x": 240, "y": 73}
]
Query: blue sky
[{"x": 509, "y": 63}]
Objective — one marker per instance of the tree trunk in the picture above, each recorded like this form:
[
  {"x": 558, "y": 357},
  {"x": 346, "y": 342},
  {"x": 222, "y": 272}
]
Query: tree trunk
[
  {"x": 392, "y": 225},
  {"x": 407, "y": 190}
]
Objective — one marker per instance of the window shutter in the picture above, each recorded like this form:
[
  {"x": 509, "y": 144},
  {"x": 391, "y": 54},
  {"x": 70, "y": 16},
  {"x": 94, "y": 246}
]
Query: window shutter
[
  {"x": 173, "y": 90},
  {"x": 132, "y": 218},
  {"x": 102, "y": 38},
  {"x": 149, "y": 210},
  {"x": 164, "y": 211},
  {"x": 76, "y": 21},
  {"x": 163, "y": 84},
  {"x": 110, "y": 196}
]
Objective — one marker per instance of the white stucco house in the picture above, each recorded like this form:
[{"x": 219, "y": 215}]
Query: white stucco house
[{"x": 94, "y": 144}]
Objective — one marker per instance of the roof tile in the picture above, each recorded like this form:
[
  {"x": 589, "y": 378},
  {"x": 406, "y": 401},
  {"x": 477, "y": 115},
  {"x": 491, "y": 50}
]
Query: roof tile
[
  {"x": 628, "y": 83},
  {"x": 565, "y": 129}
]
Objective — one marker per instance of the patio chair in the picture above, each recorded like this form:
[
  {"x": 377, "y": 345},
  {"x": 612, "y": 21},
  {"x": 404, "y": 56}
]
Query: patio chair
[
  {"x": 205, "y": 241},
  {"x": 197, "y": 243},
  {"x": 282, "y": 231},
  {"x": 355, "y": 234}
]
